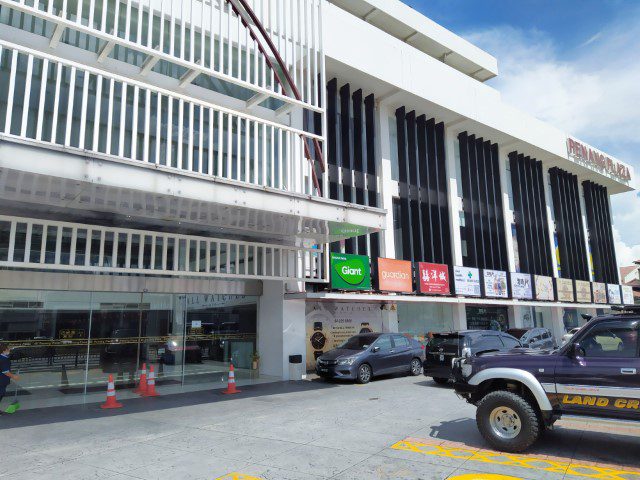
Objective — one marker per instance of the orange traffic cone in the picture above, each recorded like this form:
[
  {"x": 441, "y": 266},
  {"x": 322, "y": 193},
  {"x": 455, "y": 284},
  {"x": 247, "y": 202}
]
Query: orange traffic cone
[
  {"x": 151, "y": 384},
  {"x": 231, "y": 384},
  {"x": 142, "y": 385},
  {"x": 111, "y": 396}
]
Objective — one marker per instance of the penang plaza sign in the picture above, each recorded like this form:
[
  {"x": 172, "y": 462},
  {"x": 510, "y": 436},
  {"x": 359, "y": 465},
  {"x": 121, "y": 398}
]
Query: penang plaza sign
[{"x": 581, "y": 153}]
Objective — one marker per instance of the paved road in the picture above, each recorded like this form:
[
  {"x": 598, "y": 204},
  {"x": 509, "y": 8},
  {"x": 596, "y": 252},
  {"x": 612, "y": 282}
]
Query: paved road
[{"x": 396, "y": 428}]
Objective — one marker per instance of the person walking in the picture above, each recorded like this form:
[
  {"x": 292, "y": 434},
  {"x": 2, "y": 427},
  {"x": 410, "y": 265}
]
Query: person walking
[{"x": 5, "y": 370}]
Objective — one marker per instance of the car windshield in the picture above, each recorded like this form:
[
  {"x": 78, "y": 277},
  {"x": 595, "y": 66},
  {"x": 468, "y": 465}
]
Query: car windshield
[
  {"x": 359, "y": 342},
  {"x": 444, "y": 340}
]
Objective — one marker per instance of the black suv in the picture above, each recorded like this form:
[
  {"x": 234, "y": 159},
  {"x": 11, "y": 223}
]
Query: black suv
[
  {"x": 595, "y": 377},
  {"x": 443, "y": 348}
]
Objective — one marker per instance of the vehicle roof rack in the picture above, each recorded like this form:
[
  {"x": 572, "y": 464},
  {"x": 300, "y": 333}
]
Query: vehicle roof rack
[{"x": 626, "y": 308}]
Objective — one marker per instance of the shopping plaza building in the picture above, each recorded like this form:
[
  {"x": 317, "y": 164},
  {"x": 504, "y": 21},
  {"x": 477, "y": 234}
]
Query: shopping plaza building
[{"x": 190, "y": 183}]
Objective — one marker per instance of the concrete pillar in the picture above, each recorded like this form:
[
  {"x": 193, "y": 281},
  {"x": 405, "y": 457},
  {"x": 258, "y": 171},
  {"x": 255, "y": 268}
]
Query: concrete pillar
[
  {"x": 551, "y": 221},
  {"x": 389, "y": 316},
  {"x": 459, "y": 316},
  {"x": 281, "y": 329},
  {"x": 455, "y": 201},
  {"x": 387, "y": 185},
  {"x": 507, "y": 209},
  {"x": 557, "y": 324}
]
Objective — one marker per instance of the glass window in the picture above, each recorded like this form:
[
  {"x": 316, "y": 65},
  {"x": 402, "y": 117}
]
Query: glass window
[
  {"x": 400, "y": 341},
  {"x": 510, "y": 342},
  {"x": 611, "y": 339},
  {"x": 384, "y": 342},
  {"x": 486, "y": 342}
]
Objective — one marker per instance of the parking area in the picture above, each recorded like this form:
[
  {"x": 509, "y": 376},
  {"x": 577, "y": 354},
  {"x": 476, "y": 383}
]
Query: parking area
[{"x": 393, "y": 428}]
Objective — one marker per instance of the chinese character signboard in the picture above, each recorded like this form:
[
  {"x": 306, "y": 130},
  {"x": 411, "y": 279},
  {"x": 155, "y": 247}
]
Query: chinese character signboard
[
  {"x": 564, "y": 286},
  {"x": 495, "y": 284},
  {"x": 433, "y": 278},
  {"x": 521, "y": 286},
  {"x": 394, "y": 275},
  {"x": 543, "y": 287},
  {"x": 467, "y": 281},
  {"x": 627, "y": 295},
  {"x": 350, "y": 272},
  {"x": 599, "y": 292},
  {"x": 613, "y": 292},
  {"x": 583, "y": 291}
]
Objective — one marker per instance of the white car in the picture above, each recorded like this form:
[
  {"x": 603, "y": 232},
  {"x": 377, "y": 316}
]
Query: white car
[{"x": 567, "y": 336}]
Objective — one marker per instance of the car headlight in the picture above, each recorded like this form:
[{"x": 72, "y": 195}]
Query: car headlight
[
  {"x": 466, "y": 369},
  {"x": 347, "y": 361}
]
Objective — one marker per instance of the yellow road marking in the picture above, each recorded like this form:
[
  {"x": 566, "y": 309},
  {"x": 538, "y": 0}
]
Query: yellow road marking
[
  {"x": 237, "y": 476},
  {"x": 510, "y": 460},
  {"x": 483, "y": 476}
]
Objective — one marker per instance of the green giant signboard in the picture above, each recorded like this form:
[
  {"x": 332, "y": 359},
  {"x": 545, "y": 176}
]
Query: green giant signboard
[{"x": 350, "y": 272}]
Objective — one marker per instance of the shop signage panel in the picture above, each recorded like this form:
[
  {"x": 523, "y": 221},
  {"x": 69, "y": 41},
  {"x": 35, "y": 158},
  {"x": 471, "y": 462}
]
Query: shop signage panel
[
  {"x": 467, "y": 281},
  {"x": 613, "y": 293},
  {"x": 627, "y": 295},
  {"x": 495, "y": 284},
  {"x": 599, "y": 292},
  {"x": 583, "y": 291},
  {"x": 433, "y": 278},
  {"x": 350, "y": 272},
  {"x": 521, "y": 286},
  {"x": 566, "y": 292},
  {"x": 394, "y": 275},
  {"x": 543, "y": 287}
]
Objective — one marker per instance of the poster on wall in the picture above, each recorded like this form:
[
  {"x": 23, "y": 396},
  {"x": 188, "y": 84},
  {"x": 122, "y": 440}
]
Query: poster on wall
[
  {"x": 350, "y": 272},
  {"x": 565, "y": 289},
  {"x": 467, "y": 281},
  {"x": 543, "y": 288},
  {"x": 495, "y": 284},
  {"x": 583, "y": 291},
  {"x": 627, "y": 295},
  {"x": 394, "y": 275},
  {"x": 330, "y": 324},
  {"x": 521, "y": 286},
  {"x": 613, "y": 293},
  {"x": 433, "y": 278},
  {"x": 599, "y": 292}
]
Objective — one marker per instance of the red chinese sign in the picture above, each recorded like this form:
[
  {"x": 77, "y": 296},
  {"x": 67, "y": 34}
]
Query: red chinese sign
[{"x": 433, "y": 278}]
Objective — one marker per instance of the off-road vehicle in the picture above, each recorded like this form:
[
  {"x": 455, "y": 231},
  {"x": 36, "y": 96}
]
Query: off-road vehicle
[{"x": 595, "y": 377}]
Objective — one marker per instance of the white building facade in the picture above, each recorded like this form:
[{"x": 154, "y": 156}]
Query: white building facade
[{"x": 179, "y": 180}]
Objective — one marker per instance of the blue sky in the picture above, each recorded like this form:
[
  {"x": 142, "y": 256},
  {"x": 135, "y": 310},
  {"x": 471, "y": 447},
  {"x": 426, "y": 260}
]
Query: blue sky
[{"x": 573, "y": 63}]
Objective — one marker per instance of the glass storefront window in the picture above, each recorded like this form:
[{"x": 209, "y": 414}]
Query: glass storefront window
[
  {"x": 417, "y": 320},
  {"x": 487, "y": 318},
  {"x": 65, "y": 344}
]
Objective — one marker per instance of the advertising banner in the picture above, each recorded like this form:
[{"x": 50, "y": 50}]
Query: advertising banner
[
  {"x": 565, "y": 289},
  {"x": 433, "y": 278},
  {"x": 495, "y": 284},
  {"x": 467, "y": 281},
  {"x": 599, "y": 292},
  {"x": 583, "y": 291},
  {"x": 613, "y": 293},
  {"x": 394, "y": 275},
  {"x": 521, "y": 286},
  {"x": 627, "y": 295},
  {"x": 330, "y": 324},
  {"x": 350, "y": 272},
  {"x": 543, "y": 288}
]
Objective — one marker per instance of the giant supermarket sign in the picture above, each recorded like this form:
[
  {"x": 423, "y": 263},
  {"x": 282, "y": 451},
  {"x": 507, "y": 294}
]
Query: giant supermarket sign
[{"x": 584, "y": 154}]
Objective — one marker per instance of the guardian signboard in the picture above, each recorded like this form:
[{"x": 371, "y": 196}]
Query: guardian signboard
[
  {"x": 394, "y": 275},
  {"x": 350, "y": 272}
]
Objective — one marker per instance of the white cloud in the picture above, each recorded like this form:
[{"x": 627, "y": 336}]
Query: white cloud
[{"x": 593, "y": 94}]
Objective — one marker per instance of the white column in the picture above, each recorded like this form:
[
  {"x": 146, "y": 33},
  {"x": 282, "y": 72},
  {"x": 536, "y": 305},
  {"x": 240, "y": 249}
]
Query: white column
[
  {"x": 455, "y": 202},
  {"x": 459, "y": 312},
  {"x": 507, "y": 210},
  {"x": 619, "y": 280},
  {"x": 585, "y": 229},
  {"x": 386, "y": 189},
  {"x": 281, "y": 329},
  {"x": 389, "y": 316},
  {"x": 551, "y": 220},
  {"x": 557, "y": 324}
]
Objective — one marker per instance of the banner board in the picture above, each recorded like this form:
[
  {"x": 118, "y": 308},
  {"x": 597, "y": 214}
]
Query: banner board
[
  {"x": 564, "y": 287},
  {"x": 599, "y": 292},
  {"x": 627, "y": 295},
  {"x": 495, "y": 284},
  {"x": 613, "y": 293},
  {"x": 543, "y": 288},
  {"x": 350, "y": 272},
  {"x": 521, "y": 286},
  {"x": 583, "y": 291},
  {"x": 433, "y": 278},
  {"x": 394, "y": 275},
  {"x": 467, "y": 281}
]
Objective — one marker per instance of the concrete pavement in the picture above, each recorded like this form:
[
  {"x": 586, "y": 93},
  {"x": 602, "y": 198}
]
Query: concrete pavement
[{"x": 394, "y": 428}]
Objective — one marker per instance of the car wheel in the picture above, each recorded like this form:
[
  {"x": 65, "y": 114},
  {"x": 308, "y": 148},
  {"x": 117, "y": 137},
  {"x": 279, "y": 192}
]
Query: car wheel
[
  {"x": 440, "y": 380},
  {"x": 416, "y": 367},
  {"x": 364, "y": 373},
  {"x": 507, "y": 421}
]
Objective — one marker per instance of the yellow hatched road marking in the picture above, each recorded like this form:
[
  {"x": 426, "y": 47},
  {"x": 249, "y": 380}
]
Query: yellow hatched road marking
[
  {"x": 520, "y": 461},
  {"x": 237, "y": 476}
]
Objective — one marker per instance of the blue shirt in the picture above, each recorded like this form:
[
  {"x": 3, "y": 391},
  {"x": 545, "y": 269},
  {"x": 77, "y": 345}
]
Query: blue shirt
[{"x": 5, "y": 367}]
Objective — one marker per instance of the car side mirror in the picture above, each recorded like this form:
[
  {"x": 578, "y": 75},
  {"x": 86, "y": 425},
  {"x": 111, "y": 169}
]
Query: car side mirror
[
  {"x": 576, "y": 351},
  {"x": 375, "y": 349}
]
